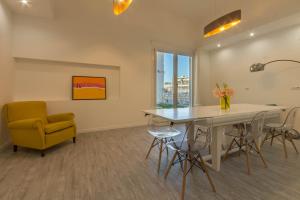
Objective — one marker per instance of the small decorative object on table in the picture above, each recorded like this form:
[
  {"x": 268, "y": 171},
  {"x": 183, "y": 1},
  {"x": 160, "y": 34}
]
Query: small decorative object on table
[{"x": 224, "y": 95}]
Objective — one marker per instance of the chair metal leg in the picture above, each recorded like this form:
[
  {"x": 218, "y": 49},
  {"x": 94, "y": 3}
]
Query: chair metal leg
[
  {"x": 247, "y": 158},
  {"x": 284, "y": 145},
  {"x": 260, "y": 155},
  {"x": 160, "y": 152},
  {"x": 151, "y": 147},
  {"x": 171, "y": 164},
  {"x": 228, "y": 149},
  {"x": 207, "y": 174},
  {"x": 184, "y": 178},
  {"x": 15, "y": 148}
]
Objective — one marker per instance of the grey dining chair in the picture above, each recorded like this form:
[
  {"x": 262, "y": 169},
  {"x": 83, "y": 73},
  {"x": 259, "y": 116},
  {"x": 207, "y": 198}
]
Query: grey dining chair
[
  {"x": 247, "y": 138},
  {"x": 163, "y": 132},
  {"x": 186, "y": 151},
  {"x": 284, "y": 130}
]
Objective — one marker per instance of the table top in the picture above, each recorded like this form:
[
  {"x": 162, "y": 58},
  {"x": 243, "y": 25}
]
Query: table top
[{"x": 199, "y": 112}]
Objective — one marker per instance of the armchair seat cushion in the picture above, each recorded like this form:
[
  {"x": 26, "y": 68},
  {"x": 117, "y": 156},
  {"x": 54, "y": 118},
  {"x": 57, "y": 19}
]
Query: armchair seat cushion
[{"x": 57, "y": 126}]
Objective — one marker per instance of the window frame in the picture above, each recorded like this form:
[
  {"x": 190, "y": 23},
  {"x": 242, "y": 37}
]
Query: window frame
[{"x": 175, "y": 75}]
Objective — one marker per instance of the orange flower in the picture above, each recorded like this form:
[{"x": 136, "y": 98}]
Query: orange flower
[
  {"x": 219, "y": 92},
  {"x": 229, "y": 92}
]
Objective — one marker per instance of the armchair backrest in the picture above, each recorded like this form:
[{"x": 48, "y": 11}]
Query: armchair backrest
[{"x": 25, "y": 110}]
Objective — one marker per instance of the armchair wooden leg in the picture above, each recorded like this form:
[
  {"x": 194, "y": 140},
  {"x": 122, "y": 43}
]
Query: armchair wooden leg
[
  {"x": 15, "y": 148},
  {"x": 74, "y": 140},
  {"x": 42, "y": 154}
]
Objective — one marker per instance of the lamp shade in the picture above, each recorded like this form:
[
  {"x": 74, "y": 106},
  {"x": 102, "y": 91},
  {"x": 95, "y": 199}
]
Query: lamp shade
[
  {"x": 223, "y": 23},
  {"x": 257, "y": 67},
  {"x": 119, "y": 6}
]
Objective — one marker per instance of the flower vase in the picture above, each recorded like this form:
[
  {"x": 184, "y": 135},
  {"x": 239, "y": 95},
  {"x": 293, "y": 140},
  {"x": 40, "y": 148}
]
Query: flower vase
[{"x": 225, "y": 103}]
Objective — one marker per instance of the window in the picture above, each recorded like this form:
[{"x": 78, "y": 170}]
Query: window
[{"x": 173, "y": 80}]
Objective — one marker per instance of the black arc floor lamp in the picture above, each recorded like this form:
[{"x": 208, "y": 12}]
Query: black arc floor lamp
[{"x": 261, "y": 67}]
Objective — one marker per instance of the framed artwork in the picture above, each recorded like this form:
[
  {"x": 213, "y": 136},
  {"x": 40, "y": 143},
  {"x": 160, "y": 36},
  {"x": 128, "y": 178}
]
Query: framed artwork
[{"x": 88, "y": 88}]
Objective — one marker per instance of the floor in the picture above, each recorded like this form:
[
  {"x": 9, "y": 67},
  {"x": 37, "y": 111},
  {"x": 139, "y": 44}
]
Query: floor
[{"x": 111, "y": 165}]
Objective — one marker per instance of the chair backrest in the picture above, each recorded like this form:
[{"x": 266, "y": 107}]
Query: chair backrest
[
  {"x": 290, "y": 118},
  {"x": 25, "y": 110},
  {"x": 203, "y": 135},
  {"x": 257, "y": 125}
]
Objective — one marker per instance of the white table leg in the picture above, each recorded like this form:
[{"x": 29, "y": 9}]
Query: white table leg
[{"x": 216, "y": 147}]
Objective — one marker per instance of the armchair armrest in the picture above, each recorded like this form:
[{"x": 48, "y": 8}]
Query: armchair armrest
[
  {"x": 60, "y": 117},
  {"x": 26, "y": 124}
]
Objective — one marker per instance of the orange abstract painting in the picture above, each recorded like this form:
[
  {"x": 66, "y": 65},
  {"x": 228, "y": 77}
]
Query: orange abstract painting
[{"x": 88, "y": 88}]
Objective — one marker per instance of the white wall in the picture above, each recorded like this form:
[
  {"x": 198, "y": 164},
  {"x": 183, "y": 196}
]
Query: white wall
[
  {"x": 103, "y": 40},
  {"x": 274, "y": 85},
  {"x": 6, "y": 62},
  {"x": 203, "y": 89},
  {"x": 51, "y": 81}
]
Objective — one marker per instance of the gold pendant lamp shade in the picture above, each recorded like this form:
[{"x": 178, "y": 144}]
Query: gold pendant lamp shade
[
  {"x": 223, "y": 23},
  {"x": 119, "y": 6}
]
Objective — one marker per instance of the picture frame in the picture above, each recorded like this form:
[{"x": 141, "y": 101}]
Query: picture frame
[{"x": 88, "y": 88}]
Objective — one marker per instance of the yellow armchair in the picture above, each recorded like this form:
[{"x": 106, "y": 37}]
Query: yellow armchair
[{"x": 30, "y": 126}]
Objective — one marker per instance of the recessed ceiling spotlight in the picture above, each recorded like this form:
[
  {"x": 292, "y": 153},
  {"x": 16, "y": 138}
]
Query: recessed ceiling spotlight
[
  {"x": 25, "y": 2},
  {"x": 252, "y": 34},
  {"x": 219, "y": 45}
]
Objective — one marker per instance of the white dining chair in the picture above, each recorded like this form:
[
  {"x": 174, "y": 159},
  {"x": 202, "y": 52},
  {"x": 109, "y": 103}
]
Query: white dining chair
[
  {"x": 284, "y": 130},
  {"x": 186, "y": 151},
  {"x": 163, "y": 132},
  {"x": 247, "y": 139}
]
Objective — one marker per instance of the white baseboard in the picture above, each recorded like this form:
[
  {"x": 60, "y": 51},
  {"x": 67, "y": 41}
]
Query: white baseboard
[{"x": 105, "y": 128}]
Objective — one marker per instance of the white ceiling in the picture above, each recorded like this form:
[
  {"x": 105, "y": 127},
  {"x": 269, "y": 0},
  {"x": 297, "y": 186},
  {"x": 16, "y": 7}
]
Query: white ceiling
[
  {"x": 36, "y": 8},
  {"x": 198, "y": 13}
]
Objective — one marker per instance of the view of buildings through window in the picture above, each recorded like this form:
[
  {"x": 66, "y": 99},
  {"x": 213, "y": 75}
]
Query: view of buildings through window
[{"x": 173, "y": 83}]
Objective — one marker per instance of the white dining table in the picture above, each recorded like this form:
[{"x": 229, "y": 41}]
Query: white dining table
[{"x": 238, "y": 113}]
